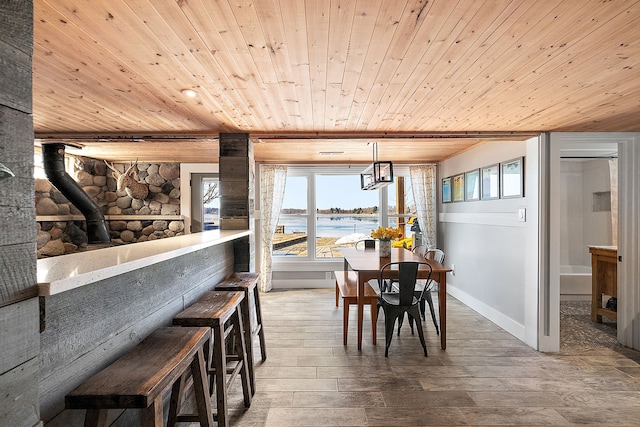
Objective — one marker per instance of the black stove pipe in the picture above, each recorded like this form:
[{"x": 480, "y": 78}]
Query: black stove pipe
[{"x": 53, "y": 162}]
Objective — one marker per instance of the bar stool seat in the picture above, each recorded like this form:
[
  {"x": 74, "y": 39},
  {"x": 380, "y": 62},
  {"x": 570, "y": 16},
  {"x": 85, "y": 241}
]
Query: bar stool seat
[
  {"x": 221, "y": 311},
  {"x": 140, "y": 377},
  {"x": 247, "y": 282}
]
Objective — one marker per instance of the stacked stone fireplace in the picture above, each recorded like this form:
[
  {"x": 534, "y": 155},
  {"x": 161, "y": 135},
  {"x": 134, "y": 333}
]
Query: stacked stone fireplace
[{"x": 61, "y": 226}]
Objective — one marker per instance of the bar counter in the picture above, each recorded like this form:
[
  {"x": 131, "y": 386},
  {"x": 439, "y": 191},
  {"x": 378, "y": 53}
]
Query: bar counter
[{"x": 67, "y": 272}]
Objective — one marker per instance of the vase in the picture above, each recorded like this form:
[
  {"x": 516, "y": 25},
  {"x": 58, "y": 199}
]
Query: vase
[{"x": 384, "y": 248}]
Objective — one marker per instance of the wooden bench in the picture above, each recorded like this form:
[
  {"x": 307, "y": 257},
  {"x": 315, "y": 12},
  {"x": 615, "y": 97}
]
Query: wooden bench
[
  {"x": 347, "y": 289},
  {"x": 140, "y": 377},
  {"x": 221, "y": 311},
  {"x": 247, "y": 282}
]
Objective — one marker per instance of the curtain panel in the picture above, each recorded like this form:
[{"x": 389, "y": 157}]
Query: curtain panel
[
  {"x": 423, "y": 183},
  {"x": 272, "y": 184}
]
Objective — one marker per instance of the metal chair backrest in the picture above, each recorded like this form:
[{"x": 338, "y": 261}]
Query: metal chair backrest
[
  {"x": 435, "y": 254},
  {"x": 407, "y": 273},
  {"x": 419, "y": 250},
  {"x": 366, "y": 244}
]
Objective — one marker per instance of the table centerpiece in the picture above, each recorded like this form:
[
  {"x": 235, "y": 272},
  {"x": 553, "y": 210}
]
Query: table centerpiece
[{"x": 385, "y": 235}]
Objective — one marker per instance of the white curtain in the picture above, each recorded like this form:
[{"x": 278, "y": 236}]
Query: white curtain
[
  {"x": 272, "y": 183},
  {"x": 613, "y": 174},
  {"x": 423, "y": 183}
]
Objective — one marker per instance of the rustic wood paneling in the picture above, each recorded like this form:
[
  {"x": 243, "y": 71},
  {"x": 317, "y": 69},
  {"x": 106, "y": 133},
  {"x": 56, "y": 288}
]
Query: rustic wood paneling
[
  {"x": 16, "y": 18},
  {"x": 15, "y": 77},
  {"x": 19, "y": 338},
  {"x": 90, "y": 326},
  {"x": 18, "y": 278},
  {"x": 18, "y": 405}
]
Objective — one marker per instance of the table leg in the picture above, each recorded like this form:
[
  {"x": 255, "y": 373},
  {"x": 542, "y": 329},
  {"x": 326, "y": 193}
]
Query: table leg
[
  {"x": 360, "y": 298},
  {"x": 442, "y": 305}
]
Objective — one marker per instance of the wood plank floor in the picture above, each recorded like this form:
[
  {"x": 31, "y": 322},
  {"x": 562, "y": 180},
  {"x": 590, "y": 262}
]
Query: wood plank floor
[{"x": 485, "y": 377}]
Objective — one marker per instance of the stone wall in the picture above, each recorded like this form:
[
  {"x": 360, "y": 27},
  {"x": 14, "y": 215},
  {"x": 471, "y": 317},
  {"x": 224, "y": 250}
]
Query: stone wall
[{"x": 68, "y": 235}]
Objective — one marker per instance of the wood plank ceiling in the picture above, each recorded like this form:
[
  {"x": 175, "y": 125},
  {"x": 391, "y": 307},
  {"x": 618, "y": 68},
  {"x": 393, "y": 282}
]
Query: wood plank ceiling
[{"x": 316, "y": 81}]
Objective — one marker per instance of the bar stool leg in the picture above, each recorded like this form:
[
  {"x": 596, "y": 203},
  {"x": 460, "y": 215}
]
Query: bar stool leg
[
  {"x": 95, "y": 418},
  {"x": 241, "y": 350},
  {"x": 176, "y": 400},
  {"x": 152, "y": 414},
  {"x": 263, "y": 345},
  {"x": 220, "y": 374},
  {"x": 203, "y": 403},
  {"x": 248, "y": 340}
]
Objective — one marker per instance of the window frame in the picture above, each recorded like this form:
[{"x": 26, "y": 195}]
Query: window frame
[{"x": 285, "y": 263}]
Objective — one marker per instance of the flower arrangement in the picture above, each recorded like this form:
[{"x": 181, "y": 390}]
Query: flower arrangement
[{"x": 386, "y": 233}]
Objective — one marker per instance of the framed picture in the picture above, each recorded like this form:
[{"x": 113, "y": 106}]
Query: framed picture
[
  {"x": 512, "y": 178},
  {"x": 472, "y": 185},
  {"x": 490, "y": 182},
  {"x": 458, "y": 188},
  {"x": 446, "y": 190}
]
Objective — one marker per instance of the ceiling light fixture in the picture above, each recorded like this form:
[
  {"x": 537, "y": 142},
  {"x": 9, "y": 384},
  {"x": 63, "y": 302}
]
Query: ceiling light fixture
[
  {"x": 189, "y": 93},
  {"x": 378, "y": 174}
]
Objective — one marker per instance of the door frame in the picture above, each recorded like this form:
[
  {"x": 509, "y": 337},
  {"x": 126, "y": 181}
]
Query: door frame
[{"x": 549, "y": 292}]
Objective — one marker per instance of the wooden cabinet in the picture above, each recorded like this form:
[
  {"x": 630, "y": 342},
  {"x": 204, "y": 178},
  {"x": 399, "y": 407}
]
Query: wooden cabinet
[{"x": 604, "y": 279}]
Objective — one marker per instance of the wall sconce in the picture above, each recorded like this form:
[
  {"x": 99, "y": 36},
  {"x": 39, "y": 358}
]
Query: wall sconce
[{"x": 5, "y": 172}]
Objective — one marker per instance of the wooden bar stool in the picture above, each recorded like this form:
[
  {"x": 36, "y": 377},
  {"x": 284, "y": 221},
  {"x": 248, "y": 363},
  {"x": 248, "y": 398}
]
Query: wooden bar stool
[
  {"x": 140, "y": 377},
  {"x": 221, "y": 311},
  {"x": 248, "y": 283}
]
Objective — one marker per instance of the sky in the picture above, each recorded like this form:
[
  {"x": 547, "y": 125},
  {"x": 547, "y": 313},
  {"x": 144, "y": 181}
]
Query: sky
[{"x": 341, "y": 191}]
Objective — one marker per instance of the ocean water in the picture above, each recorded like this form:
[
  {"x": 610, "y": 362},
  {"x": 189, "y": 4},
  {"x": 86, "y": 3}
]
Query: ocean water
[{"x": 331, "y": 225}]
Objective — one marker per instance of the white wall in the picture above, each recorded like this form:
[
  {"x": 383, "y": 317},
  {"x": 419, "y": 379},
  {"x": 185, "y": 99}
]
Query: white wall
[
  {"x": 580, "y": 224},
  {"x": 494, "y": 255}
]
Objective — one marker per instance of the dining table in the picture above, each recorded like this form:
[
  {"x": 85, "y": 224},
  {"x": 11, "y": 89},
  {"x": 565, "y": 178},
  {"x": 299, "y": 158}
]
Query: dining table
[{"x": 367, "y": 263}]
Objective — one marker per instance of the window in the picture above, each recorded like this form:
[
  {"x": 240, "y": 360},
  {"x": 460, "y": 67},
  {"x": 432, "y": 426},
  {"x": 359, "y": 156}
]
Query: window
[
  {"x": 324, "y": 209},
  {"x": 210, "y": 203},
  {"x": 205, "y": 202}
]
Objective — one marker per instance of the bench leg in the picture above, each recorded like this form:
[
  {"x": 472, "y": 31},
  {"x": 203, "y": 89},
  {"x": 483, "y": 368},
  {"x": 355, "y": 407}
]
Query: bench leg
[
  {"x": 152, "y": 415},
  {"x": 95, "y": 418}
]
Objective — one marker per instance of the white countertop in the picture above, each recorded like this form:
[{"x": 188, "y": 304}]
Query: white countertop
[{"x": 66, "y": 272}]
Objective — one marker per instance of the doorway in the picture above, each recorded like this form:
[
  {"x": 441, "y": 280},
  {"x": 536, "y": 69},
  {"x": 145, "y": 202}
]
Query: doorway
[
  {"x": 562, "y": 145},
  {"x": 588, "y": 217}
]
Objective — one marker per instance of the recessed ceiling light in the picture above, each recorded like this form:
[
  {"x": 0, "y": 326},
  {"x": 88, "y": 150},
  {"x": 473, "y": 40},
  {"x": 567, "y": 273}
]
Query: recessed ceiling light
[
  {"x": 189, "y": 93},
  {"x": 331, "y": 153}
]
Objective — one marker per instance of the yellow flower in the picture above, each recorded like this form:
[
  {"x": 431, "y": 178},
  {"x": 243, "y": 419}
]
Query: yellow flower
[{"x": 386, "y": 233}]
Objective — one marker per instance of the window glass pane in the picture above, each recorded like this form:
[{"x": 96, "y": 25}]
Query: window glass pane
[
  {"x": 401, "y": 212},
  {"x": 344, "y": 213},
  {"x": 291, "y": 238},
  {"x": 210, "y": 204}
]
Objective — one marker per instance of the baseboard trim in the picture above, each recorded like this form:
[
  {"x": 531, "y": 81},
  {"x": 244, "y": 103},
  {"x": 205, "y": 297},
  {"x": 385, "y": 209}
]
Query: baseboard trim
[{"x": 514, "y": 328}]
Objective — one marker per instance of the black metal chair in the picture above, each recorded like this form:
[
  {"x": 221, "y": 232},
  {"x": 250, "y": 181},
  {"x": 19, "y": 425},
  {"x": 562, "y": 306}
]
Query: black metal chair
[
  {"x": 395, "y": 303},
  {"x": 424, "y": 288}
]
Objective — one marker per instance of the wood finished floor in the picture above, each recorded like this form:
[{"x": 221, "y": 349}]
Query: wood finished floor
[{"x": 485, "y": 377}]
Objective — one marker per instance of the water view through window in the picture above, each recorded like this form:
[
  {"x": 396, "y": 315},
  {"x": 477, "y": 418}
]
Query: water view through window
[{"x": 344, "y": 215}]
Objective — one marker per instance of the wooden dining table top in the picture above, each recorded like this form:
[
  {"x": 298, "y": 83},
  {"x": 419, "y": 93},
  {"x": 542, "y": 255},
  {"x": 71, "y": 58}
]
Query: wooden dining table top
[{"x": 363, "y": 260}]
